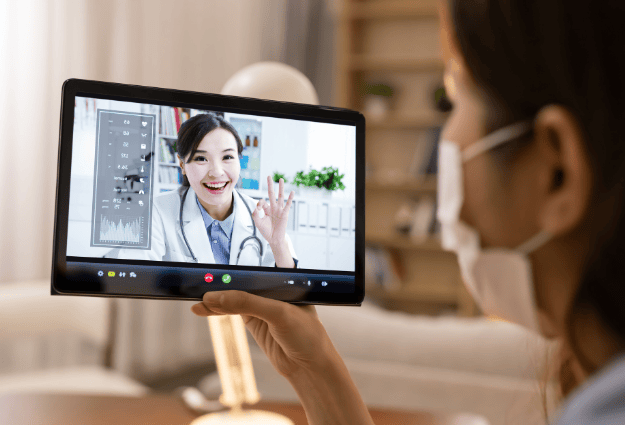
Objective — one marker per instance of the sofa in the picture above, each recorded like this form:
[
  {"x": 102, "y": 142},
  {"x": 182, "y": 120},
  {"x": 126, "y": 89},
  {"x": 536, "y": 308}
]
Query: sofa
[{"x": 479, "y": 366}]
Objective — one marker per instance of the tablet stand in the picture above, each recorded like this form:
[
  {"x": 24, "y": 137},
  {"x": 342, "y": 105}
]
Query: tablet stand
[{"x": 238, "y": 385}]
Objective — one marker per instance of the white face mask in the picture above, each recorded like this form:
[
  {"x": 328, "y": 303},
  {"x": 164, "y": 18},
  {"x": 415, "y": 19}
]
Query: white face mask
[{"x": 499, "y": 279}]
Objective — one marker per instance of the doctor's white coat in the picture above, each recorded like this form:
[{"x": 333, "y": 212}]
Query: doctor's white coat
[{"x": 168, "y": 244}]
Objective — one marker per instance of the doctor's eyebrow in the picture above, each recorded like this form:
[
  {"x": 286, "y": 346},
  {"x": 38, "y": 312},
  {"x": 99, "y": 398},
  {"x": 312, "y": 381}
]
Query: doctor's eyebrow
[{"x": 225, "y": 150}]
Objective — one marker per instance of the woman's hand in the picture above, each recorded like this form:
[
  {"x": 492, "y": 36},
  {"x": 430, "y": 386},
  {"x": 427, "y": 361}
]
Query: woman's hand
[
  {"x": 291, "y": 336},
  {"x": 272, "y": 225},
  {"x": 299, "y": 348}
]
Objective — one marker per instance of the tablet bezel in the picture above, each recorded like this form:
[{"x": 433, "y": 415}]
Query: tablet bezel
[{"x": 205, "y": 101}]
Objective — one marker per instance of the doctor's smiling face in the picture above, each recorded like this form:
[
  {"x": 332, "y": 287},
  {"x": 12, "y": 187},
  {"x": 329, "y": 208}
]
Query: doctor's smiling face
[
  {"x": 212, "y": 167},
  {"x": 213, "y": 171}
]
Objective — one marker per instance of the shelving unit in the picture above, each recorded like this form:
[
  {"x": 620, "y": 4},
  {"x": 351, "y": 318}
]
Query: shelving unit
[
  {"x": 397, "y": 41},
  {"x": 414, "y": 186},
  {"x": 162, "y": 186}
]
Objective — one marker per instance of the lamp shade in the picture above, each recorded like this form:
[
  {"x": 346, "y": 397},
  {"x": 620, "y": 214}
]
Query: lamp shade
[{"x": 272, "y": 81}]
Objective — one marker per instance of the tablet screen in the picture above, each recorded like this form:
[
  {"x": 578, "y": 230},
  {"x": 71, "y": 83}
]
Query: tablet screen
[{"x": 176, "y": 200}]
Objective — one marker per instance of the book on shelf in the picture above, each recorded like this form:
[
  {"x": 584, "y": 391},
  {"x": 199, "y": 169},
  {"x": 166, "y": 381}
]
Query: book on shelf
[
  {"x": 170, "y": 175},
  {"x": 171, "y": 119},
  {"x": 416, "y": 218},
  {"x": 382, "y": 269},
  {"x": 425, "y": 157},
  {"x": 168, "y": 154}
]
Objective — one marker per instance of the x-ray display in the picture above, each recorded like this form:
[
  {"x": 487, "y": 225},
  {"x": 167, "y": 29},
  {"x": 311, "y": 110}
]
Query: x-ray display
[{"x": 122, "y": 201}]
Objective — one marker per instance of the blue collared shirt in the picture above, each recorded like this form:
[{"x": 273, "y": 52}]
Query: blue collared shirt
[
  {"x": 600, "y": 400},
  {"x": 219, "y": 234}
]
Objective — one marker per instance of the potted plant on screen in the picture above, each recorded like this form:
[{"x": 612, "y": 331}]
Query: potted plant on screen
[
  {"x": 319, "y": 183},
  {"x": 288, "y": 187}
]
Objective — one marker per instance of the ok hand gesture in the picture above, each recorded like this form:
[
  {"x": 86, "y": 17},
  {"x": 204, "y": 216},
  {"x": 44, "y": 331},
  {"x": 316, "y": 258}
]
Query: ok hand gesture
[{"x": 271, "y": 222}]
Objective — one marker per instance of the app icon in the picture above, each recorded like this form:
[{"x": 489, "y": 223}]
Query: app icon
[
  {"x": 100, "y": 273},
  {"x": 209, "y": 277},
  {"x": 309, "y": 283},
  {"x": 144, "y": 146},
  {"x": 133, "y": 274},
  {"x": 144, "y": 123},
  {"x": 122, "y": 274},
  {"x": 291, "y": 282},
  {"x": 324, "y": 283},
  {"x": 226, "y": 278},
  {"x": 111, "y": 274}
]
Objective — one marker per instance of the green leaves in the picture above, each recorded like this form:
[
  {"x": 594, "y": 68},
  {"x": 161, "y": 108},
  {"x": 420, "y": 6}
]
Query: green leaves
[
  {"x": 328, "y": 178},
  {"x": 277, "y": 176}
]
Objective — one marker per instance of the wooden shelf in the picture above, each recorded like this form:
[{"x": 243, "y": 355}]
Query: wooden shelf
[
  {"x": 407, "y": 120},
  {"x": 372, "y": 63},
  {"x": 404, "y": 242},
  {"x": 371, "y": 42},
  {"x": 390, "y": 9},
  {"x": 427, "y": 186}
]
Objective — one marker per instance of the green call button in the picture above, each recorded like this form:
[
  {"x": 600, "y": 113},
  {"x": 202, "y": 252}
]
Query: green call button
[{"x": 226, "y": 278}]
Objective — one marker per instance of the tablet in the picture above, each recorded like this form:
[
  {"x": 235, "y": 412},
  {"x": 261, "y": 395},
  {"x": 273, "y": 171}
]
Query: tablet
[{"x": 168, "y": 194}]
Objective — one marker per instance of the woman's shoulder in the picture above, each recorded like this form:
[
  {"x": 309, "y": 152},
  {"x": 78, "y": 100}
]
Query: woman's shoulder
[
  {"x": 167, "y": 201},
  {"x": 601, "y": 400}
]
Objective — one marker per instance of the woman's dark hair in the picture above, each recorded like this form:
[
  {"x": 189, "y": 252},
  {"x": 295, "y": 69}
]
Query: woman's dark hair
[
  {"x": 193, "y": 130},
  {"x": 526, "y": 54}
]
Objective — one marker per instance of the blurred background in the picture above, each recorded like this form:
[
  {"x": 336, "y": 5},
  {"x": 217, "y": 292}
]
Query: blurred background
[{"x": 381, "y": 57}]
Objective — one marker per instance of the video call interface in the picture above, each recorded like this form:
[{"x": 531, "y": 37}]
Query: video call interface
[{"x": 126, "y": 181}]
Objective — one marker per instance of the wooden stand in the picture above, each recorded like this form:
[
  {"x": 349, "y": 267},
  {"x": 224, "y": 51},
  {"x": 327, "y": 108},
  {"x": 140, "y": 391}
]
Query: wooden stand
[{"x": 238, "y": 385}]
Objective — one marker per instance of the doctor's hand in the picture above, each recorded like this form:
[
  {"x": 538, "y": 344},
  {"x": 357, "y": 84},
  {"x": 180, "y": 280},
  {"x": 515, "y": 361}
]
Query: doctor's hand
[
  {"x": 271, "y": 220},
  {"x": 291, "y": 336}
]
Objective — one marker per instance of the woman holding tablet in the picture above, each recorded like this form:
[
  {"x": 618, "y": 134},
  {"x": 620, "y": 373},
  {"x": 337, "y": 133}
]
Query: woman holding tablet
[
  {"x": 531, "y": 199},
  {"x": 207, "y": 220}
]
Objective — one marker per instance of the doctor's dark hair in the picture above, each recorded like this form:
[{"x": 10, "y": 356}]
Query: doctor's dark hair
[
  {"x": 526, "y": 54},
  {"x": 193, "y": 130}
]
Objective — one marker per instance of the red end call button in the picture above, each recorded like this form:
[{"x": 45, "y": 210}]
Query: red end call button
[{"x": 208, "y": 277}]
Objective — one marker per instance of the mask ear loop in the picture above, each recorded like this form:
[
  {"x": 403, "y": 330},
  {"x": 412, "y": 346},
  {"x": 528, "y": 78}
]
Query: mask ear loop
[
  {"x": 495, "y": 139},
  {"x": 492, "y": 140},
  {"x": 534, "y": 242}
]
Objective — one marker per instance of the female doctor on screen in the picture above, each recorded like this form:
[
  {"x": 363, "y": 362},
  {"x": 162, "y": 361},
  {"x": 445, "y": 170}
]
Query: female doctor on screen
[
  {"x": 207, "y": 220},
  {"x": 531, "y": 199}
]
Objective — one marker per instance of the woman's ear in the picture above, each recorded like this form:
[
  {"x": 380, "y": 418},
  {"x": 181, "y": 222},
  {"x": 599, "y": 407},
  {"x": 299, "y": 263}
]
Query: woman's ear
[
  {"x": 181, "y": 163},
  {"x": 566, "y": 179}
]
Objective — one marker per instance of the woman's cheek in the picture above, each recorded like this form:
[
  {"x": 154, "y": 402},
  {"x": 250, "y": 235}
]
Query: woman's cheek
[
  {"x": 195, "y": 174},
  {"x": 234, "y": 172}
]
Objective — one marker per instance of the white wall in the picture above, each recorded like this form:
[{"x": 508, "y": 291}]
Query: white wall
[{"x": 285, "y": 147}]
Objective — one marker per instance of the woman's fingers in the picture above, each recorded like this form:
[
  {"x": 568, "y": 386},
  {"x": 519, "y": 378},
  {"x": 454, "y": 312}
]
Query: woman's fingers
[
  {"x": 266, "y": 208},
  {"x": 270, "y": 191},
  {"x": 281, "y": 193},
  {"x": 239, "y": 302},
  {"x": 289, "y": 201}
]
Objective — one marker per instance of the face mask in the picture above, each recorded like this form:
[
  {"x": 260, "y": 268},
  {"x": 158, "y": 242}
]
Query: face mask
[{"x": 499, "y": 279}]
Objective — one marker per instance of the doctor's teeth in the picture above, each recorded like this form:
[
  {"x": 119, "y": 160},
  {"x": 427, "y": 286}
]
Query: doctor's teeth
[{"x": 216, "y": 187}]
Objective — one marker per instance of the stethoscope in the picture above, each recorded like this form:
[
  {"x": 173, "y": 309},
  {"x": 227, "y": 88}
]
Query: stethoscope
[{"x": 259, "y": 250}]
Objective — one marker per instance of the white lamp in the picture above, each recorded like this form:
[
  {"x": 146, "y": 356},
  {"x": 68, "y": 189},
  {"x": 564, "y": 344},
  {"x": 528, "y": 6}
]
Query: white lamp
[{"x": 271, "y": 81}]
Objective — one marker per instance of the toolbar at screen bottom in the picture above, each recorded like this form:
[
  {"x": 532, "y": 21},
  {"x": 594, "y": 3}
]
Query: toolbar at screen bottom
[{"x": 144, "y": 280}]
